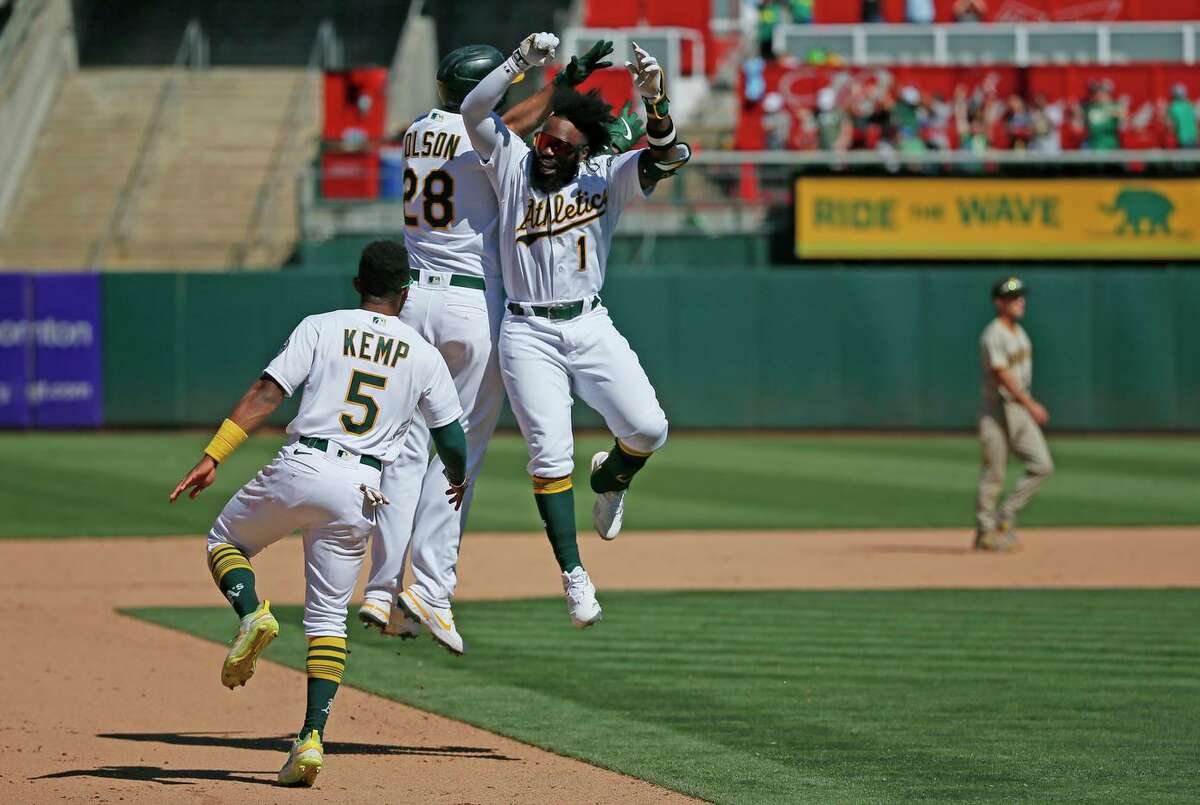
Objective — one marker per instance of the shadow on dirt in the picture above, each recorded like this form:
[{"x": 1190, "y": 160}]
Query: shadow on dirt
[
  {"x": 283, "y": 743},
  {"x": 155, "y": 774}
]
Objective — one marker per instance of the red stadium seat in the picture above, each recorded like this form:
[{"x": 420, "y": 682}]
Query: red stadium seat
[
  {"x": 612, "y": 13},
  {"x": 614, "y": 84}
]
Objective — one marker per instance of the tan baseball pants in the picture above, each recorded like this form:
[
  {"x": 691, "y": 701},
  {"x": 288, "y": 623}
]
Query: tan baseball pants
[{"x": 1009, "y": 427}]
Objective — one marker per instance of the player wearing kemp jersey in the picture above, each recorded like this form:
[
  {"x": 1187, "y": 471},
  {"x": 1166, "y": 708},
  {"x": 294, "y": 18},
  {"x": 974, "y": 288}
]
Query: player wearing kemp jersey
[
  {"x": 1009, "y": 419},
  {"x": 365, "y": 375},
  {"x": 559, "y": 204},
  {"x": 456, "y": 304}
]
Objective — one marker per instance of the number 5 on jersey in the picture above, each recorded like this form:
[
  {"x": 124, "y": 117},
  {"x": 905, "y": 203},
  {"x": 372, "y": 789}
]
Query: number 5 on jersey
[
  {"x": 438, "y": 195},
  {"x": 356, "y": 396}
]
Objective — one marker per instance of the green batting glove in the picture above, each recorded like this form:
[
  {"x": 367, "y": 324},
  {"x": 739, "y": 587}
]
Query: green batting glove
[
  {"x": 578, "y": 69},
  {"x": 625, "y": 129}
]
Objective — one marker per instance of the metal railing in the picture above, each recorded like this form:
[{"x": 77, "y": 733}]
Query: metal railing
[
  {"x": 935, "y": 158},
  {"x": 16, "y": 33},
  {"x": 326, "y": 54},
  {"x": 1020, "y": 44},
  {"x": 192, "y": 54}
]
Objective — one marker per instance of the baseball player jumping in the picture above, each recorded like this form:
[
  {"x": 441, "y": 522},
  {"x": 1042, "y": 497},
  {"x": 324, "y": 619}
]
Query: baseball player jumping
[
  {"x": 1009, "y": 419},
  {"x": 364, "y": 375},
  {"x": 558, "y": 206},
  {"x": 456, "y": 303}
]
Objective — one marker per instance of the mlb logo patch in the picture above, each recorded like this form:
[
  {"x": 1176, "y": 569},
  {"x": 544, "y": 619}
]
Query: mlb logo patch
[{"x": 376, "y": 320}]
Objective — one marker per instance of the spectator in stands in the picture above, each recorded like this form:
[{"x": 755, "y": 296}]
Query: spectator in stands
[
  {"x": 871, "y": 11},
  {"x": 777, "y": 122},
  {"x": 1104, "y": 118},
  {"x": 754, "y": 84},
  {"x": 940, "y": 123},
  {"x": 1019, "y": 123},
  {"x": 919, "y": 12},
  {"x": 768, "y": 17},
  {"x": 1074, "y": 130},
  {"x": 801, "y": 11},
  {"x": 1181, "y": 117},
  {"x": 970, "y": 10},
  {"x": 808, "y": 133},
  {"x": 834, "y": 128},
  {"x": 1047, "y": 119}
]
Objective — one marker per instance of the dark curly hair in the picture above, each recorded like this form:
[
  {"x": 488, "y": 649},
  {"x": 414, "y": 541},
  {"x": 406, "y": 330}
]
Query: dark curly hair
[
  {"x": 588, "y": 113},
  {"x": 383, "y": 269}
]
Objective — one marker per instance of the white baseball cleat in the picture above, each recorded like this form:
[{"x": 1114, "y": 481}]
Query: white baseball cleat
[
  {"x": 582, "y": 605},
  {"x": 438, "y": 620},
  {"x": 609, "y": 509},
  {"x": 391, "y": 621}
]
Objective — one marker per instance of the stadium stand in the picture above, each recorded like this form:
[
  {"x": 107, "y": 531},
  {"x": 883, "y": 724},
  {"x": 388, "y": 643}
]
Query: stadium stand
[{"x": 205, "y": 170}]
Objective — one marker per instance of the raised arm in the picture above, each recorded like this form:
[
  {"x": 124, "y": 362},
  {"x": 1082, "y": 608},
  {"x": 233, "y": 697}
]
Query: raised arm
[
  {"x": 482, "y": 129},
  {"x": 666, "y": 153},
  {"x": 527, "y": 115}
]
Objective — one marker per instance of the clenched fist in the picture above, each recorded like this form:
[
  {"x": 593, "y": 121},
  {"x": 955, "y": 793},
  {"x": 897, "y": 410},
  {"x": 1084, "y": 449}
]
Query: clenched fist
[{"x": 535, "y": 50}]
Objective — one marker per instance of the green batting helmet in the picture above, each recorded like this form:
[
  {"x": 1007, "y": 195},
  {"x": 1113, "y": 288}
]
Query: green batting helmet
[{"x": 462, "y": 69}]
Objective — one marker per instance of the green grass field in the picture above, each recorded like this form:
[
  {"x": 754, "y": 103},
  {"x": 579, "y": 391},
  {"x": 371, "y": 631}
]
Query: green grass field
[
  {"x": 1036, "y": 696},
  {"x": 117, "y": 483}
]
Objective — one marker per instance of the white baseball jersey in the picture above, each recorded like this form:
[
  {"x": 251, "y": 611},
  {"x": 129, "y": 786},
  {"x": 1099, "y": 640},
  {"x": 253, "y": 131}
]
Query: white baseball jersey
[
  {"x": 1002, "y": 348},
  {"x": 449, "y": 207},
  {"x": 364, "y": 375},
  {"x": 554, "y": 248}
]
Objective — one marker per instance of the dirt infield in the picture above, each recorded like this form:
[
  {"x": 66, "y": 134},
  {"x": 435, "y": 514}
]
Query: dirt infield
[{"x": 105, "y": 708}]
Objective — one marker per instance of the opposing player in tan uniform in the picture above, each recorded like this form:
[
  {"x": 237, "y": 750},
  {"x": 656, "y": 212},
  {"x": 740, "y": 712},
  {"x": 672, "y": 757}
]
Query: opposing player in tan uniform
[
  {"x": 1009, "y": 419},
  {"x": 365, "y": 377}
]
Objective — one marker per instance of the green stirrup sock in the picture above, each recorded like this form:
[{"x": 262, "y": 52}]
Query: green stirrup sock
[
  {"x": 617, "y": 471},
  {"x": 325, "y": 663},
  {"x": 558, "y": 516},
  {"x": 234, "y": 577}
]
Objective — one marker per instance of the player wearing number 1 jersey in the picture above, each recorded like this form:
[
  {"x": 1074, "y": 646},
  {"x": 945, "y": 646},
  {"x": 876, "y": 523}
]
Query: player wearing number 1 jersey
[
  {"x": 456, "y": 303},
  {"x": 559, "y": 204}
]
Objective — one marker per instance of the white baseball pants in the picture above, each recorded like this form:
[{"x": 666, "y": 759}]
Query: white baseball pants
[
  {"x": 318, "y": 494},
  {"x": 463, "y": 323},
  {"x": 544, "y": 362}
]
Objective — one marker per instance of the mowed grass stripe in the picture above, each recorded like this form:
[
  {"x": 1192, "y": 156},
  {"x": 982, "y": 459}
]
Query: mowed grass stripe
[
  {"x": 947, "y": 695},
  {"x": 119, "y": 483}
]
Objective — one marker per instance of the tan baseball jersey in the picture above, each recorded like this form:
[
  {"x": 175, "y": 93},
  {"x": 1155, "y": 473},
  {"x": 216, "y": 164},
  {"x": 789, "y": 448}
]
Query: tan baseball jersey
[
  {"x": 364, "y": 376},
  {"x": 1002, "y": 348}
]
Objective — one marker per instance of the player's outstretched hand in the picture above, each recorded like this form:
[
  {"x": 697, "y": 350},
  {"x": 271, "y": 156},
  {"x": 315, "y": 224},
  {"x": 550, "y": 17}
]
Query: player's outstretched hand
[
  {"x": 647, "y": 73},
  {"x": 200, "y": 478},
  {"x": 1038, "y": 412},
  {"x": 535, "y": 50},
  {"x": 580, "y": 67},
  {"x": 456, "y": 493},
  {"x": 625, "y": 129}
]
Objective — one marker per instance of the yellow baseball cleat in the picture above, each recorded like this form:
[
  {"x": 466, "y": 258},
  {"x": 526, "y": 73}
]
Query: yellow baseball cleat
[
  {"x": 304, "y": 761},
  {"x": 257, "y": 631}
]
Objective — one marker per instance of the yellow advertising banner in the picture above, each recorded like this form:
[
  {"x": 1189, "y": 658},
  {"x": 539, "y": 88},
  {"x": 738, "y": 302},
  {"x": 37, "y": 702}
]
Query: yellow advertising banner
[{"x": 1060, "y": 219}]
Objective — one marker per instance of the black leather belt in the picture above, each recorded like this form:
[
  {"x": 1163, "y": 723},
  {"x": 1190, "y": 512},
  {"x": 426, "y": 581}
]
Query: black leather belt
[{"x": 323, "y": 446}]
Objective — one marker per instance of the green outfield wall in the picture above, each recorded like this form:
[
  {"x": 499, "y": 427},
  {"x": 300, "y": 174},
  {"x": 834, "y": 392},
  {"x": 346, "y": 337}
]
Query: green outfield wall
[{"x": 857, "y": 347}]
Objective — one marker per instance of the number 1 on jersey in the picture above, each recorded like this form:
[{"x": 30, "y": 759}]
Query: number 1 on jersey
[{"x": 583, "y": 252}]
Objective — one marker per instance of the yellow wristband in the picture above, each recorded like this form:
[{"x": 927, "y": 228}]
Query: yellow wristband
[{"x": 229, "y": 437}]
